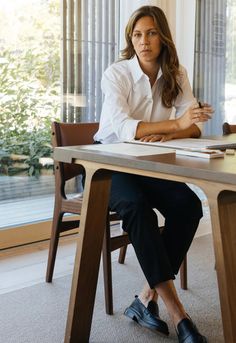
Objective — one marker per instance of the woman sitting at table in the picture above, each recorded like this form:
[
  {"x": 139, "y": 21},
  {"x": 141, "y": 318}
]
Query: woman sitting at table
[{"x": 140, "y": 92}]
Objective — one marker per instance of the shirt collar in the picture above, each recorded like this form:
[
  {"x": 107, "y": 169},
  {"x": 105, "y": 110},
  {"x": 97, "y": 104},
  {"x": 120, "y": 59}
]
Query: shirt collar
[{"x": 136, "y": 70}]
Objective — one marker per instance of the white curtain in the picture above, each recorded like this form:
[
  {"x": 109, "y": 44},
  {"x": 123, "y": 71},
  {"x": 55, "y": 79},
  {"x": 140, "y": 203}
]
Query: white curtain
[
  {"x": 90, "y": 43},
  {"x": 210, "y": 58}
]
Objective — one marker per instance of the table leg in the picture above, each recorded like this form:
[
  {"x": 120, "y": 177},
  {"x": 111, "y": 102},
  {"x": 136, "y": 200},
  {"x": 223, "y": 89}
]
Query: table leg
[
  {"x": 223, "y": 211},
  {"x": 87, "y": 260}
]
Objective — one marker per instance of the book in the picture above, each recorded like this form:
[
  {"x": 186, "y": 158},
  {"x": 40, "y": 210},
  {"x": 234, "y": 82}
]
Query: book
[{"x": 190, "y": 147}]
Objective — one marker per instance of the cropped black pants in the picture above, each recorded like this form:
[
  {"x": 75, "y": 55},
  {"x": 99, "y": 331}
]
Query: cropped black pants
[{"x": 134, "y": 198}]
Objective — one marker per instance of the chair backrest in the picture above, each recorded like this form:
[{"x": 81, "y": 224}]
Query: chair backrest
[
  {"x": 228, "y": 128},
  {"x": 65, "y": 134}
]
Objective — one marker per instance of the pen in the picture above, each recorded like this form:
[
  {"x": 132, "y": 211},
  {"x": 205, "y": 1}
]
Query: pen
[{"x": 199, "y": 103}]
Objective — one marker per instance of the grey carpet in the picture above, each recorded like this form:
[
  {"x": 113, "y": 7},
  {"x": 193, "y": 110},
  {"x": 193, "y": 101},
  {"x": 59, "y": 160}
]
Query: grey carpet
[{"x": 37, "y": 314}]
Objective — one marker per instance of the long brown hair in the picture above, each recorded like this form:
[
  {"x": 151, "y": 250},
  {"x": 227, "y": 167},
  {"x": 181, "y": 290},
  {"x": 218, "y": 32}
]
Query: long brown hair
[{"x": 168, "y": 59}]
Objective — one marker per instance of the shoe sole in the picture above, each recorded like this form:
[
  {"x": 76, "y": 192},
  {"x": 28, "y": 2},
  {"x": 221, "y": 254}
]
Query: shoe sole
[{"x": 132, "y": 314}]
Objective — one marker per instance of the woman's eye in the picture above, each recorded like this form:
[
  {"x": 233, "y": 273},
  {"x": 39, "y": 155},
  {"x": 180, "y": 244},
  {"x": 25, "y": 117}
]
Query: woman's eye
[{"x": 152, "y": 33}]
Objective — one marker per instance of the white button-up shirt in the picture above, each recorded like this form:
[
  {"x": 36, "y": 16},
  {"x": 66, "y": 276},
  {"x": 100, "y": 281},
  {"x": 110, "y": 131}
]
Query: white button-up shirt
[{"x": 129, "y": 99}]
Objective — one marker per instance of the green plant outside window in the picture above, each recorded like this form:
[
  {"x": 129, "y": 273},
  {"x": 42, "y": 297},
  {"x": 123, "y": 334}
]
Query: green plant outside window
[{"x": 29, "y": 85}]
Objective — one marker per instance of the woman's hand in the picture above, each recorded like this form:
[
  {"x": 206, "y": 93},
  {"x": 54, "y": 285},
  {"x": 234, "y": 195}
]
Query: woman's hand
[
  {"x": 157, "y": 138},
  {"x": 194, "y": 115},
  {"x": 181, "y": 127}
]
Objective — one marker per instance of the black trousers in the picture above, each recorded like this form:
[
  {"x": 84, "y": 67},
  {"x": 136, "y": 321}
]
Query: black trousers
[{"x": 133, "y": 198}]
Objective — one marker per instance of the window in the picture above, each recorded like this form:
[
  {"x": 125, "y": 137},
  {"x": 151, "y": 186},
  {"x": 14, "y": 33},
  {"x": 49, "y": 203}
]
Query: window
[
  {"x": 29, "y": 100},
  {"x": 215, "y": 62},
  {"x": 52, "y": 56}
]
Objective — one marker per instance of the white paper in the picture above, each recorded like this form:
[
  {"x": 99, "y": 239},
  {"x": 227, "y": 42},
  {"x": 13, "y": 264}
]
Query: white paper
[
  {"x": 128, "y": 149},
  {"x": 191, "y": 143}
]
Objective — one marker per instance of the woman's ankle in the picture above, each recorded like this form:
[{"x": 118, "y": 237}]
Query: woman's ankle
[
  {"x": 177, "y": 317},
  {"x": 146, "y": 296}
]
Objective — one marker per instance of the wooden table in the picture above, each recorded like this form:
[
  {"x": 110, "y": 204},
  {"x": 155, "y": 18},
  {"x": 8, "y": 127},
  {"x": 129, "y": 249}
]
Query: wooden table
[{"x": 216, "y": 177}]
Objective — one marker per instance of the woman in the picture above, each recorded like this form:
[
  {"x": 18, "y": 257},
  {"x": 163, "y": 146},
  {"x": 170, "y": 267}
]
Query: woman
[{"x": 140, "y": 92}]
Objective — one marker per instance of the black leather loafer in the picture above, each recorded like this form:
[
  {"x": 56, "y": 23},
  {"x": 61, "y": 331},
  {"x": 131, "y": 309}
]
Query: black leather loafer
[
  {"x": 187, "y": 332},
  {"x": 147, "y": 316}
]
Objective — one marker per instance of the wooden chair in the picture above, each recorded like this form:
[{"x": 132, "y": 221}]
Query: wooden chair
[
  {"x": 64, "y": 134},
  {"x": 228, "y": 128}
]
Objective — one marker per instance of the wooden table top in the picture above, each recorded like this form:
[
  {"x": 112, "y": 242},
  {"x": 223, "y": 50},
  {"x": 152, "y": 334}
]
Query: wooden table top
[{"x": 222, "y": 170}]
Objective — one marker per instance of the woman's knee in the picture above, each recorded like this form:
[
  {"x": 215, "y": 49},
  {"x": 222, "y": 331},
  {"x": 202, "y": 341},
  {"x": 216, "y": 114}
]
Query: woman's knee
[
  {"x": 195, "y": 207},
  {"x": 189, "y": 204},
  {"x": 138, "y": 216},
  {"x": 134, "y": 207}
]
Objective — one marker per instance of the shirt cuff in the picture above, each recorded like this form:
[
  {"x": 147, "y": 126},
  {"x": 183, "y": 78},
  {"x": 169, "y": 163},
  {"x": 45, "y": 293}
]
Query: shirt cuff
[{"x": 128, "y": 130}]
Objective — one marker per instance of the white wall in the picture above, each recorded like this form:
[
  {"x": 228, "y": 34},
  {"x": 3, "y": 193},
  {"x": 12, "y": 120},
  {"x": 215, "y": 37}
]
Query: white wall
[{"x": 185, "y": 33}]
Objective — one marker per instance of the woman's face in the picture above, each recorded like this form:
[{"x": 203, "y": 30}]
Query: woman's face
[{"x": 146, "y": 40}]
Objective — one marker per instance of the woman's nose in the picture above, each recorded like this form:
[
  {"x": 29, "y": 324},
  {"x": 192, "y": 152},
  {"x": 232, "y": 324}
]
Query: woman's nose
[{"x": 144, "y": 39}]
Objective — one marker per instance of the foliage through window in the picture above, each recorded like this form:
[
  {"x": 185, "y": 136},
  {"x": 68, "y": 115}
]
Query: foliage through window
[{"x": 29, "y": 82}]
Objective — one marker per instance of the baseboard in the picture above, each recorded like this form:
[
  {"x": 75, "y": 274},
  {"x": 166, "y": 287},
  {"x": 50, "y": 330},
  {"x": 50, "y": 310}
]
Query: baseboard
[{"x": 27, "y": 234}]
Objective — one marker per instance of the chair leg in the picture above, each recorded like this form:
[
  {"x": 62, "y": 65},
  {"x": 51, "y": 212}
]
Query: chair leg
[
  {"x": 53, "y": 246},
  {"x": 122, "y": 253},
  {"x": 183, "y": 274},
  {"x": 107, "y": 271}
]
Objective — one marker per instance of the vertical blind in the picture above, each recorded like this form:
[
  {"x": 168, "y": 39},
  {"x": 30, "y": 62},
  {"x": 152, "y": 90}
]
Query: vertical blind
[
  {"x": 89, "y": 43},
  {"x": 210, "y": 58}
]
